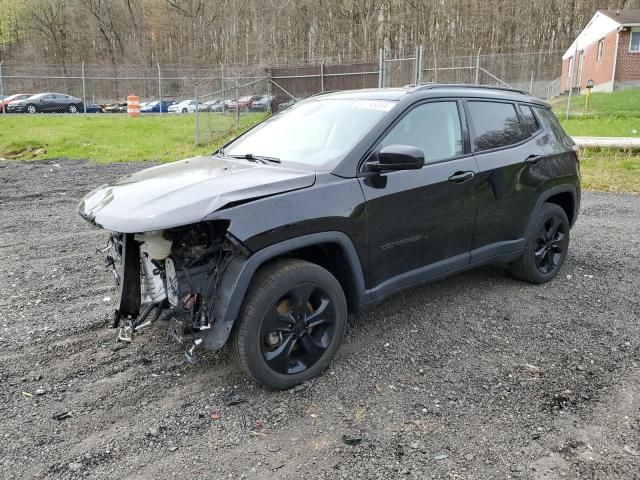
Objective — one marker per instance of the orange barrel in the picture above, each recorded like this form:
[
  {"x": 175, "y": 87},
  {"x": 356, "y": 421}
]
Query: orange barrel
[{"x": 133, "y": 106}]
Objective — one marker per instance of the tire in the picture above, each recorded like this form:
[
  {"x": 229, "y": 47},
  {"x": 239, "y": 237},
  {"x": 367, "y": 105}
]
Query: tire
[
  {"x": 546, "y": 248},
  {"x": 184, "y": 110},
  {"x": 274, "y": 340},
  {"x": 73, "y": 108},
  {"x": 31, "y": 108}
]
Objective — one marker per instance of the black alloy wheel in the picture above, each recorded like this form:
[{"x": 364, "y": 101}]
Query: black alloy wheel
[
  {"x": 550, "y": 244},
  {"x": 547, "y": 246},
  {"x": 297, "y": 329},
  {"x": 292, "y": 323}
]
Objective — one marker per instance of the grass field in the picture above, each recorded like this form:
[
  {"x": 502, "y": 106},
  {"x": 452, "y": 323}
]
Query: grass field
[
  {"x": 610, "y": 171},
  {"x": 115, "y": 138},
  {"x": 614, "y": 114}
]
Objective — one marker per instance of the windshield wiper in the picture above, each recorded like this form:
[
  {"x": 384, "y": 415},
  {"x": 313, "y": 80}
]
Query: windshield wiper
[{"x": 257, "y": 158}]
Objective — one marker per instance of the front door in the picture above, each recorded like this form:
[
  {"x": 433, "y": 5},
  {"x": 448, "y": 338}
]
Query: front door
[{"x": 420, "y": 222}]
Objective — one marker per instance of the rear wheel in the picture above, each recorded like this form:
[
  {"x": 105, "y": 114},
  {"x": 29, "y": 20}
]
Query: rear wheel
[
  {"x": 72, "y": 108},
  {"x": 184, "y": 110},
  {"x": 546, "y": 248},
  {"x": 292, "y": 324}
]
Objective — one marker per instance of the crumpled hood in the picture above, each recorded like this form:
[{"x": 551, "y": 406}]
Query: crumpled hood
[{"x": 184, "y": 192}]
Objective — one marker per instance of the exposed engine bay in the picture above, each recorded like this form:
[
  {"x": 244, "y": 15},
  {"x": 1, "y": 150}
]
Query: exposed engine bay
[{"x": 171, "y": 276}]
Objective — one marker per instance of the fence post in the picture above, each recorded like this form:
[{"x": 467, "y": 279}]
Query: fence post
[
  {"x": 159, "y": 89},
  {"x": 478, "y": 67},
  {"x": 195, "y": 94},
  {"x": 419, "y": 64},
  {"x": 237, "y": 106},
  {"x": 84, "y": 92},
  {"x": 571, "y": 79},
  {"x": 222, "y": 87},
  {"x": 322, "y": 76},
  {"x": 381, "y": 68},
  {"x": 416, "y": 68},
  {"x": 4, "y": 110},
  {"x": 269, "y": 92},
  {"x": 531, "y": 84}
]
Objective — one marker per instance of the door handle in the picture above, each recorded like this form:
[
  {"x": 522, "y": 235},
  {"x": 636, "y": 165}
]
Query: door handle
[
  {"x": 460, "y": 177},
  {"x": 533, "y": 159}
]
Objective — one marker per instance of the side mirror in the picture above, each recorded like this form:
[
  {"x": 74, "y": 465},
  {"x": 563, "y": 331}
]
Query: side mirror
[{"x": 397, "y": 157}]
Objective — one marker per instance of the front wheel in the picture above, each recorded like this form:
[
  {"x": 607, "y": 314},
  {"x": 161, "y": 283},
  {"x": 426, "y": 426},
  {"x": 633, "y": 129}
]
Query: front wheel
[
  {"x": 72, "y": 108},
  {"x": 291, "y": 325},
  {"x": 547, "y": 246},
  {"x": 31, "y": 108}
]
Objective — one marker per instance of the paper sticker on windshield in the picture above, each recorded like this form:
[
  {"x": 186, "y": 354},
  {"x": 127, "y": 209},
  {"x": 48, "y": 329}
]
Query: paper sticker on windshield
[{"x": 374, "y": 105}]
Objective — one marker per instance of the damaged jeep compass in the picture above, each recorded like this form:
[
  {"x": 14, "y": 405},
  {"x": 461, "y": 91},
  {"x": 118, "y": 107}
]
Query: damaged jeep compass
[{"x": 330, "y": 206}]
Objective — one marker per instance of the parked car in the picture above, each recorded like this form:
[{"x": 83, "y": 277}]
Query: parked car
[
  {"x": 211, "y": 106},
  {"x": 368, "y": 192},
  {"x": 46, "y": 103},
  {"x": 11, "y": 98},
  {"x": 243, "y": 103},
  {"x": 94, "y": 108},
  {"x": 185, "y": 106},
  {"x": 263, "y": 103},
  {"x": 155, "y": 107},
  {"x": 115, "y": 107}
]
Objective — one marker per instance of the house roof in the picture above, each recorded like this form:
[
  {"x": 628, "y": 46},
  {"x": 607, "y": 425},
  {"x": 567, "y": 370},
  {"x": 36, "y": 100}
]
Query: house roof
[
  {"x": 601, "y": 24},
  {"x": 623, "y": 17}
]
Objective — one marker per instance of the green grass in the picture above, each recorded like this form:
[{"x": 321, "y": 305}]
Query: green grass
[
  {"x": 600, "y": 126},
  {"x": 114, "y": 137},
  {"x": 610, "y": 171},
  {"x": 614, "y": 114}
]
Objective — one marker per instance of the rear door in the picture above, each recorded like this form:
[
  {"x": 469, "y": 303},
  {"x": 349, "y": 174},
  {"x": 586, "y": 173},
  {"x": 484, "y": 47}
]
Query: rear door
[
  {"x": 506, "y": 143},
  {"x": 420, "y": 222}
]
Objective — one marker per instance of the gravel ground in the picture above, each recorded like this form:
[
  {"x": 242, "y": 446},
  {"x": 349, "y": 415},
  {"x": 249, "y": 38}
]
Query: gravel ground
[{"x": 477, "y": 376}]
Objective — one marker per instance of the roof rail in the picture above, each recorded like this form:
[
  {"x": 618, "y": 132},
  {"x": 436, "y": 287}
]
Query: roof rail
[{"x": 430, "y": 86}]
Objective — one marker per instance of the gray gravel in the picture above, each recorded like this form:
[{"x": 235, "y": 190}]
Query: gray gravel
[{"x": 478, "y": 376}]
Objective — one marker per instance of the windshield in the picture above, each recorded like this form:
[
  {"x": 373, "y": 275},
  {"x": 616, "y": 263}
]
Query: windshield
[{"x": 316, "y": 133}]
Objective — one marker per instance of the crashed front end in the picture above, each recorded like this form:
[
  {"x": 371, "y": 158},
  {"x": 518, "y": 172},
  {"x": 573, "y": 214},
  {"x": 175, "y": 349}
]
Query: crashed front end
[{"x": 173, "y": 276}]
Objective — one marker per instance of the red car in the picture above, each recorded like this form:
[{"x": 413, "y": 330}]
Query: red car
[
  {"x": 17, "y": 96},
  {"x": 244, "y": 103}
]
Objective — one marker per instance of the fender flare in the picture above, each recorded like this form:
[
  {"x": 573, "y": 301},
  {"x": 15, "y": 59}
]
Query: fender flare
[
  {"x": 240, "y": 272},
  {"x": 545, "y": 195}
]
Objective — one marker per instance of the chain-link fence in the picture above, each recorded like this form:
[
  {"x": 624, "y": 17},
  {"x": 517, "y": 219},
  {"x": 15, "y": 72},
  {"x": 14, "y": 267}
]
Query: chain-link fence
[
  {"x": 234, "y": 99},
  {"x": 224, "y": 98}
]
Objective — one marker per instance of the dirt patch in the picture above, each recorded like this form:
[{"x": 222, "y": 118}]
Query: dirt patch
[{"x": 477, "y": 376}]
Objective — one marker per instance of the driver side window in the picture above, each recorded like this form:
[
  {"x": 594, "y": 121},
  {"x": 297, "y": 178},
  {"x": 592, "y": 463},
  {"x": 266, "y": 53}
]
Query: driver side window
[{"x": 433, "y": 127}]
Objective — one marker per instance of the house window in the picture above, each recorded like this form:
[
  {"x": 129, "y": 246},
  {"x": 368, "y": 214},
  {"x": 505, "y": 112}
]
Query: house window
[
  {"x": 600, "y": 50},
  {"x": 634, "y": 45}
]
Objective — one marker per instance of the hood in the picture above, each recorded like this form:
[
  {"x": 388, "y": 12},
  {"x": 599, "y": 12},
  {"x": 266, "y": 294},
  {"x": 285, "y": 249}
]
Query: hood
[{"x": 184, "y": 192}]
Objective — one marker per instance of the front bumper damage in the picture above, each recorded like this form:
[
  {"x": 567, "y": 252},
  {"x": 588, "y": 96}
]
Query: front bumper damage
[{"x": 182, "y": 278}]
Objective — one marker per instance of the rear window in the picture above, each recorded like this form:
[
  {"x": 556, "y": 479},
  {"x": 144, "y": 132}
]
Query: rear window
[
  {"x": 529, "y": 121},
  {"x": 495, "y": 125},
  {"x": 553, "y": 128}
]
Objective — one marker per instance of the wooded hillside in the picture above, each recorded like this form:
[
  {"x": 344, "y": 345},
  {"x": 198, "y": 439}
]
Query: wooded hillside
[{"x": 261, "y": 32}]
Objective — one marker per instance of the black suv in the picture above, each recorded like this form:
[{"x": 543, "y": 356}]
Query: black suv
[{"x": 329, "y": 207}]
